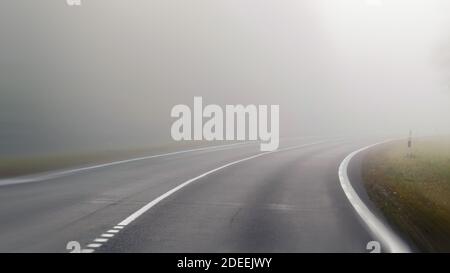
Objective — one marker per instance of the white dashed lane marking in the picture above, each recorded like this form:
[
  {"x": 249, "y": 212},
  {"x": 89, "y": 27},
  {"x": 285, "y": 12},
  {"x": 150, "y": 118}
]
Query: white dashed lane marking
[{"x": 110, "y": 233}]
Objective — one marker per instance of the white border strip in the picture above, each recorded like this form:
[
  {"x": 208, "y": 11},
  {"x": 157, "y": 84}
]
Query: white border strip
[
  {"x": 61, "y": 173},
  {"x": 380, "y": 231},
  {"x": 56, "y": 174},
  {"x": 151, "y": 204}
]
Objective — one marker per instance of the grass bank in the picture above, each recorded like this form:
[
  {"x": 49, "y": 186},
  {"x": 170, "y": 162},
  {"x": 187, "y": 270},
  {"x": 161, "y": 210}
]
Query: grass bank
[{"x": 413, "y": 191}]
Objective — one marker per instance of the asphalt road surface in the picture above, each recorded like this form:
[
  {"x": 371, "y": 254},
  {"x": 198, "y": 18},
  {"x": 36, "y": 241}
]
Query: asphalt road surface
[{"x": 286, "y": 201}]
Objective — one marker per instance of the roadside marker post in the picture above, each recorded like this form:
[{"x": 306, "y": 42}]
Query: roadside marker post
[{"x": 409, "y": 144}]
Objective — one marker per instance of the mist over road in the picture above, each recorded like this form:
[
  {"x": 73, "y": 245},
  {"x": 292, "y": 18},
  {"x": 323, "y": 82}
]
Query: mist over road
[
  {"x": 106, "y": 74},
  {"x": 90, "y": 82},
  {"x": 286, "y": 201}
]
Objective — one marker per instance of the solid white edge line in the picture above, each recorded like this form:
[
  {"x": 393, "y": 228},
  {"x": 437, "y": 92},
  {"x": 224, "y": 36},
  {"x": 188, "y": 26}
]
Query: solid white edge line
[
  {"x": 56, "y": 174},
  {"x": 379, "y": 230},
  {"x": 152, "y": 203},
  {"x": 62, "y": 173}
]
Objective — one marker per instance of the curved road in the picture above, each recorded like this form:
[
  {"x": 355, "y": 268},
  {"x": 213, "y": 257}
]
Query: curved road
[{"x": 286, "y": 201}]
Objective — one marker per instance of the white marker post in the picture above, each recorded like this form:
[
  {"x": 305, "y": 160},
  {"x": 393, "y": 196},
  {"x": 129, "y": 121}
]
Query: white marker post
[{"x": 410, "y": 144}]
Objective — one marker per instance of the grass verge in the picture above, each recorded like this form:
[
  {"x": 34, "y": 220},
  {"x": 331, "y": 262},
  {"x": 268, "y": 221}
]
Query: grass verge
[{"x": 413, "y": 191}]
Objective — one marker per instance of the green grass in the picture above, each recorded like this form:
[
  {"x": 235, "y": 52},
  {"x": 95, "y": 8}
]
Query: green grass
[{"x": 413, "y": 192}]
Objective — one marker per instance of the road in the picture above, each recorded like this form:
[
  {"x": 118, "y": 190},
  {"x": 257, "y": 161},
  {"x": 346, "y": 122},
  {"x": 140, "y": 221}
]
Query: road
[{"x": 286, "y": 201}]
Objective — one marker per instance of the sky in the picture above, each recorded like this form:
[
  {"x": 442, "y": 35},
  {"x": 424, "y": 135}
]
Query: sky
[{"x": 106, "y": 74}]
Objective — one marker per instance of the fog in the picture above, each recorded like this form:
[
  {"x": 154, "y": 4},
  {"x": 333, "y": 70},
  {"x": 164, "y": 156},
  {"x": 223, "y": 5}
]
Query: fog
[{"x": 106, "y": 74}]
